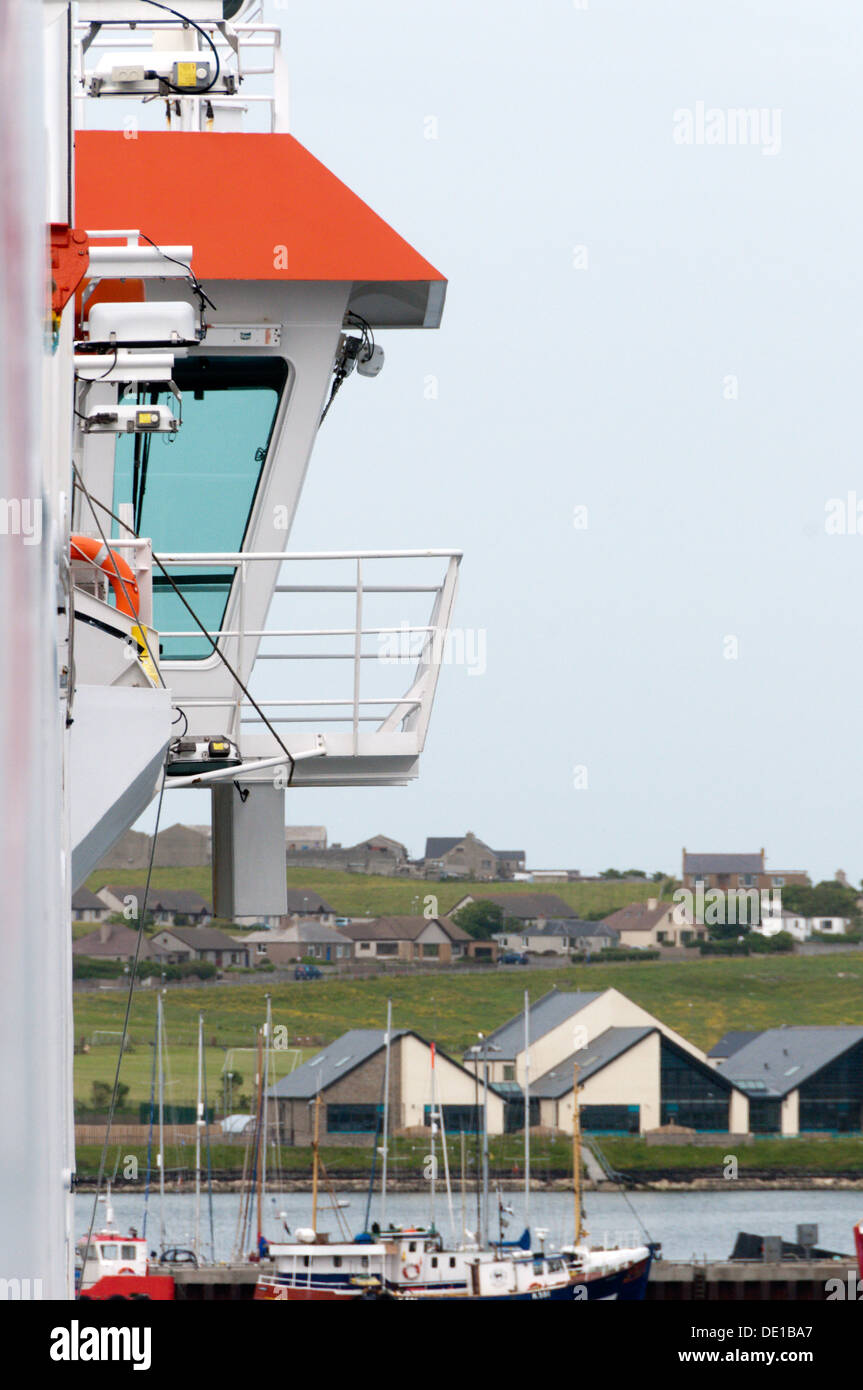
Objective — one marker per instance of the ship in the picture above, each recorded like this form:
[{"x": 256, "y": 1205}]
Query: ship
[{"x": 185, "y": 290}]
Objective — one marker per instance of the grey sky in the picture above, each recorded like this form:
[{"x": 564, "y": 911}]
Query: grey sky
[{"x": 606, "y": 387}]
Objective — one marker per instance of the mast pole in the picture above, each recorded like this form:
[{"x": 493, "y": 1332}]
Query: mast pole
[
  {"x": 433, "y": 1124},
  {"x": 386, "y": 1116},
  {"x": 160, "y": 1034},
  {"x": 526, "y": 1110},
  {"x": 265, "y": 1101},
  {"x": 315, "y": 1147},
  {"x": 260, "y": 1136},
  {"x": 199, "y": 1120},
  {"x": 576, "y": 1153},
  {"x": 485, "y": 1144}
]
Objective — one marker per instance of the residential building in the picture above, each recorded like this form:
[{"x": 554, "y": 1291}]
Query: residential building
[
  {"x": 797, "y": 1079},
  {"x": 110, "y": 941},
  {"x": 468, "y": 857},
  {"x": 649, "y": 924},
  {"x": 177, "y": 944},
  {"x": 377, "y": 855},
  {"x": 562, "y": 937},
  {"x": 167, "y": 906},
  {"x": 800, "y": 927},
  {"x": 737, "y": 871},
  {"x": 178, "y": 846},
  {"x": 86, "y": 907},
  {"x": 430, "y": 939},
  {"x": 348, "y": 1076},
  {"x": 521, "y": 909},
  {"x": 305, "y": 938},
  {"x": 634, "y": 1072}
]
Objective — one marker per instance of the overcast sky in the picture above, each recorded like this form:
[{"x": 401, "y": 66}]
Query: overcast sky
[{"x": 653, "y": 314}]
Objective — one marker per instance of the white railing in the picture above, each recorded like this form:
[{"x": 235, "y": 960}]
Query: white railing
[{"x": 421, "y": 645}]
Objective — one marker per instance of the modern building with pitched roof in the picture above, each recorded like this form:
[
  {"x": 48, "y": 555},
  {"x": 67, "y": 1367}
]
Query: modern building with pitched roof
[
  {"x": 86, "y": 907},
  {"x": 798, "y": 1079},
  {"x": 561, "y": 936},
  {"x": 177, "y": 944},
  {"x": 302, "y": 939},
  {"x": 635, "y": 1072},
  {"x": 432, "y": 939},
  {"x": 348, "y": 1075}
]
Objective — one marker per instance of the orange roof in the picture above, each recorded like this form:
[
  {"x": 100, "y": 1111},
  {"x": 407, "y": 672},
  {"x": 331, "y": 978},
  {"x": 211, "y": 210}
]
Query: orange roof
[{"x": 237, "y": 199}]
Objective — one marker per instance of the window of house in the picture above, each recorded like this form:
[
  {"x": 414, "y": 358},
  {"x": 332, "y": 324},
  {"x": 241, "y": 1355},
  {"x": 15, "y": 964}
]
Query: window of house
[
  {"x": 354, "y": 1119},
  {"x": 431, "y": 948},
  {"x": 778, "y": 882},
  {"x": 388, "y": 948},
  {"x": 509, "y": 1071},
  {"x": 260, "y": 949},
  {"x": 365, "y": 945},
  {"x": 457, "y": 1118}
]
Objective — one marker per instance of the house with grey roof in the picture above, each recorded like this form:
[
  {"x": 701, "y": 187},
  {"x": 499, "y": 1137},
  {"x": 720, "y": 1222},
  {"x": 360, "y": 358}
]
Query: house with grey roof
[
  {"x": 466, "y": 856},
  {"x": 521, "y": 909},
  {"x": 302, "y": 939},
  {"x": 635, "y": 1073},
  {"x": 432, "y": 940},
  {"x": 727, "y": 871},
  {"x": 86, "y": 907},
  {"x": 166, "y": 906},
  {"x": 560, "y": 937},
  {"x": 110, "y": 941},
  {"x": 800, "y": 1079},
  {"x": 177, "y": 944},
  {"x": 346, "y": 1081}
]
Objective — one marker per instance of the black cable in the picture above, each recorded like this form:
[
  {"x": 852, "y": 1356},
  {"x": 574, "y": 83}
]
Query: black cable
[
  {"x": 196, "y": 284},
  {"x": 185, "y": 20},
  {"x": 219, "y": 653},
  {"x": 133, "y": 971}
]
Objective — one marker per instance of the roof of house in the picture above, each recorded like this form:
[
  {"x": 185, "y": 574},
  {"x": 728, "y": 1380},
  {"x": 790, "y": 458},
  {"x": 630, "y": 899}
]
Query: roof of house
[
  {"x": 638, "y": 916},
  {"x": 604, "y": 1049},
  {"x": 120, "y": 940},
  {"x": 572, "y": 926},
  {"x": 723, "y": 863},
  {"x": 82, "y": 898},
  {"x": 201, "y": 938},
  {"x": 304, "y": 900},
  {"x": 545, "y": 1014},
  {"x": 162, "y": 899},
  {"x": 510, "y": 854},
  {"x": 310, "y": 931},
  {"x": 781, "y": 1059},
  {"x": 340, "y": 1057},
  {"x": 439, "y": 845},
  {"x": 731, "y": 1042},
  {"x": 526, "y": 906},
  {"x": 401, "y": 929}
]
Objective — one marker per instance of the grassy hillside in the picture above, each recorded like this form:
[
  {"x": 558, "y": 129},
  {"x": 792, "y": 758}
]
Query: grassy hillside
[
  {"x": 369, "y": 895},
  {"x": 701, "y": 999}
]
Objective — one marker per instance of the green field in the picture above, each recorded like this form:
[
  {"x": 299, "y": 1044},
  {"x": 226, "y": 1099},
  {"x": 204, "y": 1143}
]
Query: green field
[
  {"x": 369, "y": 895},
  {"x": 829, "y": 1155},
  {"x": 701, "y": 999}
]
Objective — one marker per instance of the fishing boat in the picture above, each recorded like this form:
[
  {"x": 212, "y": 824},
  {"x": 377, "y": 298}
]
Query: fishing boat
[{"x": 111, "y": 1264}]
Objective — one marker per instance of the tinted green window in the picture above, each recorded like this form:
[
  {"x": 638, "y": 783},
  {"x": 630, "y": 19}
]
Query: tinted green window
[{"x": 194, "y": 490}]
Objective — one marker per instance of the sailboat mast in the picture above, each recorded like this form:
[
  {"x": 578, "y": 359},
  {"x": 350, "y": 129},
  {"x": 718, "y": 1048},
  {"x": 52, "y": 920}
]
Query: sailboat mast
[
  {"x": 260, "y": 1135},
  {"x": 160, "y": 1043},
  {"x": 199, "y": 1120},
  {"x": 576, "y": 1153},
  {"x": 433, "y": 1125},
  {"x": 268, "y": 1033},
  {"x": 386, "y": 1115},
  {"x": 526, "y": 1109},
  {"x": 315, "y": 1149}
]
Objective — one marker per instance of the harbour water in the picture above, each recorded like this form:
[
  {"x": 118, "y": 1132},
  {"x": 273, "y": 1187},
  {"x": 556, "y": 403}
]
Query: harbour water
[{"x": 689, "y": 1225}]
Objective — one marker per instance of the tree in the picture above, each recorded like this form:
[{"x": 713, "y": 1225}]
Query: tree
[
  {"x": 480, "y": 919},
  {"x": 826, "y": 899},
  {"x": 101, "y": 1092}
]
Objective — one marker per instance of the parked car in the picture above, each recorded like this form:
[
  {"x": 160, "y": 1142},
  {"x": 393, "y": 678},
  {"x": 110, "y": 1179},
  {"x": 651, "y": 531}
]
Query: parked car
[
  {"x": 176, "y": 1256},
  {"x": 307, "y": 972},
  {"x": 514, "y": 958}
]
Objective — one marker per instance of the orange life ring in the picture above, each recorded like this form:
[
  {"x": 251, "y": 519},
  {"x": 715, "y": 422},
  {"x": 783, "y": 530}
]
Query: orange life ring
[
  {"x": 411, "y": 1271},
  {"x": 115, "y": 567},
  {"x": 127, "y": 1269}
]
